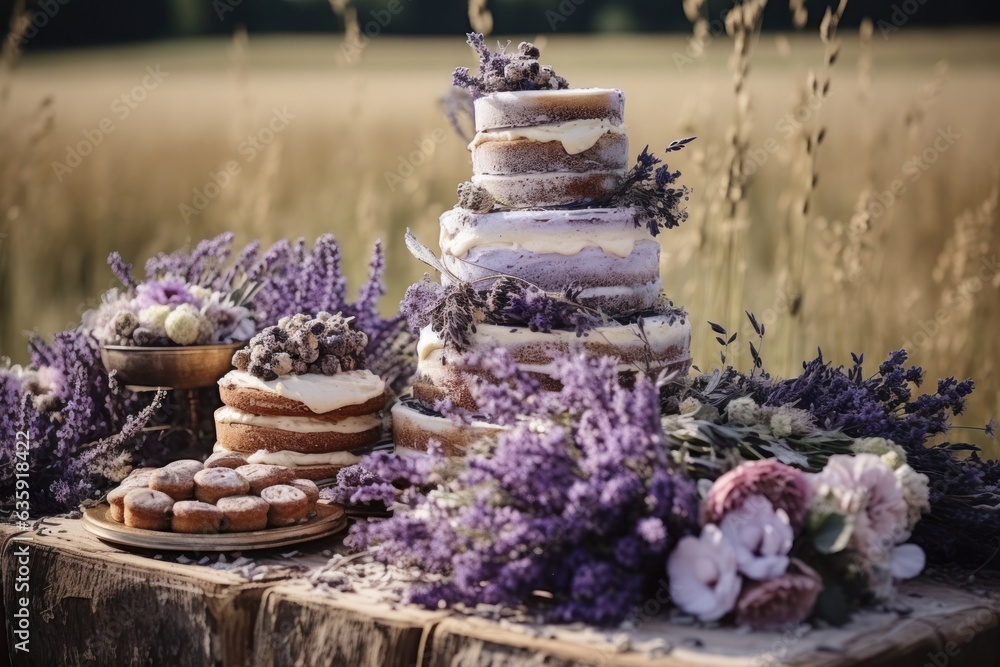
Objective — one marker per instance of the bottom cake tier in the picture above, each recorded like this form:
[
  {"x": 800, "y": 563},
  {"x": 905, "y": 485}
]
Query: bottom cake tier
[{"x": 661, "y": 343}]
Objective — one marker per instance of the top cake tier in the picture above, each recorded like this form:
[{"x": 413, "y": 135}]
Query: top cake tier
[{"x": 544, "y": 148}]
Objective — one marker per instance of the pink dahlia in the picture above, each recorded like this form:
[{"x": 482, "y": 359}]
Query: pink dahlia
[
  {"x": 786, "y": 487},
  {"x": 778, "y": 603}
]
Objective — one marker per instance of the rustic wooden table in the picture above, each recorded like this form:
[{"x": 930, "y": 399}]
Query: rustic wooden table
[{"x": 89, "y": 603}]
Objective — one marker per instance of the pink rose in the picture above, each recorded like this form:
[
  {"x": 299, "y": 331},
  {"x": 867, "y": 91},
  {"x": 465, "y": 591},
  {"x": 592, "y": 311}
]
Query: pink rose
[{"x": 866, "y": 490}]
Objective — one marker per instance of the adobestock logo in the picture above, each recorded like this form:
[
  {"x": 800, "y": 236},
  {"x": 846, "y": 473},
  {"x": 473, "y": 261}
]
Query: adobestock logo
[
  {"x": 249, "y": 148},
  {"x": 122, "y": 107}
]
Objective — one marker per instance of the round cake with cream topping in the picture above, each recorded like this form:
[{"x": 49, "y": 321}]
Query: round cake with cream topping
[{"x": 300, "y": 397}]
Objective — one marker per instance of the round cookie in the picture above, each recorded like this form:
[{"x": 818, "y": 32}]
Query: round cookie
[
  {"x": 211, "y": 484},
  {"x": 139, "y": 478},
  {"x": 148, "y": 509},
  {"x": 262, "y": 475},
  {"x": 242, "y": 514},
  {"x": 116, "y": 501},
  {"x": 288, "y": 505},
  {"x": 177, "y": 483},
  {"x": 226, "y": 460},
  {"x": 193, "y": 516},
  {"x": 308, "y": 487},
  {"x": 188, "y": 465}
]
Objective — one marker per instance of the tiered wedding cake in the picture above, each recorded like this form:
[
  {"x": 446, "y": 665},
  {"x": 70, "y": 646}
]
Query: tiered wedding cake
[{"x": 544, "y": 211}]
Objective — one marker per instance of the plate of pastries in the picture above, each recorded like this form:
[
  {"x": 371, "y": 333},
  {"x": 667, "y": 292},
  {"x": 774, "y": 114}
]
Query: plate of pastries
[{"x": 185, "y": 506}]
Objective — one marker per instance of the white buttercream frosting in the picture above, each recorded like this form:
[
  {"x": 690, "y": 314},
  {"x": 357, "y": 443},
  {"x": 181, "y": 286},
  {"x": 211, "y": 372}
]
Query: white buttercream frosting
[
  {"x": 659, "y": 334},
  {"x": 293, "y": 459},
  {"x": 230, "y": 415},
  {"x": 614, "y": 238},
  {"x": 576, "y": 136},
  {"x": 319, "y": 393}
]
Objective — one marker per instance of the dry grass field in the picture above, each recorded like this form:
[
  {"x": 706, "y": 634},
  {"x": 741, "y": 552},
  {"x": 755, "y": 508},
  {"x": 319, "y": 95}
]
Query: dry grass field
[{"x": 899, "y": 244}]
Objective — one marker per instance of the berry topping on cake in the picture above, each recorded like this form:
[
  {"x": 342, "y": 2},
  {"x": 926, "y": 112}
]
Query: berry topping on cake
[{"x": 325, "y": 344}]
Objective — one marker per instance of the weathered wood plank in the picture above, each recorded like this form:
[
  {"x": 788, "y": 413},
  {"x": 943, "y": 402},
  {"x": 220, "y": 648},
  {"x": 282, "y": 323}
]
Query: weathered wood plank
[
  {"x": 301, "y": 627},
  {"x": 91, "y": 604}
]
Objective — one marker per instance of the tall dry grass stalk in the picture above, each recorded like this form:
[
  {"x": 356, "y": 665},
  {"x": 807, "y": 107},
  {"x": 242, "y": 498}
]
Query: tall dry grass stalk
[{"x": 480, "y": 17}]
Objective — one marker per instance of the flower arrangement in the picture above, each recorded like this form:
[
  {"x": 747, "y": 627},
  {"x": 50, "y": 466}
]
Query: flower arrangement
[
  {"x": 194, "y": 299},
  {"x": 85, "y": 432},
  {"x": 778, "y": 545},
  {"x": 724, "y": 417}
]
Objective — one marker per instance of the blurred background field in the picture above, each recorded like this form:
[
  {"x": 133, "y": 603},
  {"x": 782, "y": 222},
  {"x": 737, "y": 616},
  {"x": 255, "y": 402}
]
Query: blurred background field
[{"x": 366, "y": 152}]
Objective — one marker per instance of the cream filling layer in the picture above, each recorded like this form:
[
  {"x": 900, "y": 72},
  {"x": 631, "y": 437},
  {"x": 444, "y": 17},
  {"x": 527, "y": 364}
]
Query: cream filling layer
[
  {"x": 660, "y": 335},
  {"x": 229, "y": 415},
  {"x": 319, "y": 393},
  {"x": 576, "y": 136},
  {"x": 615, "y": 241},
  {"x": 293, "y": 459}
]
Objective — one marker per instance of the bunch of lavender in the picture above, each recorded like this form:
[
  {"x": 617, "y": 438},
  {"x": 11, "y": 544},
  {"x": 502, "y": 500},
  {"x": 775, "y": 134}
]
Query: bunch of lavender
[
  {"x": 653, "y": 191},
  {"x": 83, "y": 431},
  {"x": 325, "y": 344},
  {"x": 501, "y": 72},
  {"x": 572, "y": 512}
]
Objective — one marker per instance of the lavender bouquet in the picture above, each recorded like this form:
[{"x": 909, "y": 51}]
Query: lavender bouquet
[{"x": 571, "y": 514}]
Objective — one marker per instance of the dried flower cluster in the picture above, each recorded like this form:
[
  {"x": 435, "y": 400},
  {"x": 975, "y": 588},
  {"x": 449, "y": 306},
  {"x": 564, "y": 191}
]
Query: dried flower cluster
[
  {"x": 453, "y": 311},
  {"x": 325, "y": 344},
  {"x": 474, "y": 198},
  {"x": 572, "y": 513},
  {"x": 653, "y": 191},
  {"x": 502, "y": 72}
]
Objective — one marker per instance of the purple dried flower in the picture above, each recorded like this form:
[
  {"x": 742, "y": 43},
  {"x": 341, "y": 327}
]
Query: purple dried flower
[
  {"x": 164, "y": 292},
  {"x": 121, "y": 269},
  {"x": 500, "y": 71}
]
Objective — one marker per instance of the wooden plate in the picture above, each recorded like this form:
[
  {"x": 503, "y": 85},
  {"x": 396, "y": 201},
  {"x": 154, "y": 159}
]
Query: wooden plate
[{"x": 328, "y": 520}]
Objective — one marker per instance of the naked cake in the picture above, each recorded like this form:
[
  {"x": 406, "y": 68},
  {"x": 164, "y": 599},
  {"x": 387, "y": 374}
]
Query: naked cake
[
  {"x": 301, "y": 398},
  {"x": 553, "y": 208}
]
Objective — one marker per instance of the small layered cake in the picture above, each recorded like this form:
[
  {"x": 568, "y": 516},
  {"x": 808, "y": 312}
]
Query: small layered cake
[
  {"x": 301, "y": 398},
  {"x": 537, "y": 148}
]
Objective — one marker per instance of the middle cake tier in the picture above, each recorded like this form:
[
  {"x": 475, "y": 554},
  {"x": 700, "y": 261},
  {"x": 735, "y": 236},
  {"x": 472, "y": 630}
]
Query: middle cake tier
[{"x": 600, "y": 251}]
